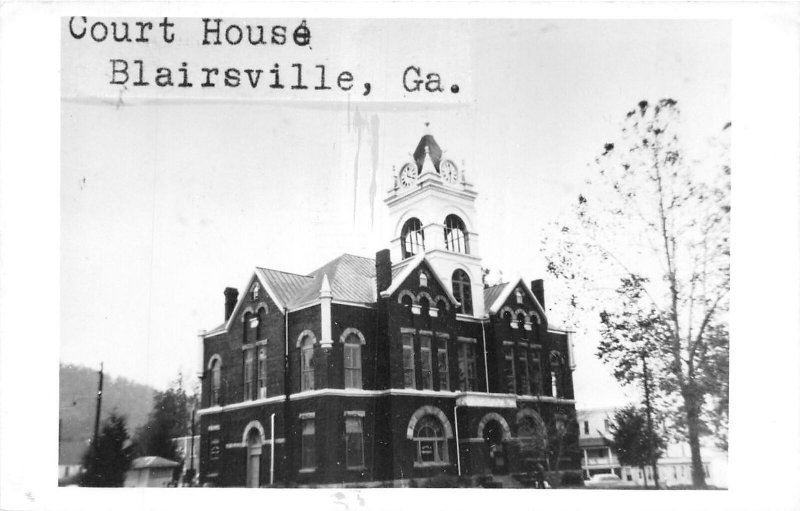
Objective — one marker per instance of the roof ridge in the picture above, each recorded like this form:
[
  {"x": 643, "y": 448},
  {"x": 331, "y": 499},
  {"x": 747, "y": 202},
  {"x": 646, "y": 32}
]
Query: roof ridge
[{"x": 283, "y": 271}]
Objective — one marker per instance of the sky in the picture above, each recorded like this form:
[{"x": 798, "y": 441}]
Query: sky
[{"x": 169, "y": 196}]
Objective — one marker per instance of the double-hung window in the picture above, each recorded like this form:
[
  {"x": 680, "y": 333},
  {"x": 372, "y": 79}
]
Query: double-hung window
[
  {"x": 524, "y": 375},
  {"x": 426, "y": 361},
  {"x": 308, "y": 456},
  {"x": 262, "y": 372},
  {"x": 508, "y": 370},
  {"x": 249, "y": 373},
  {"x": 354, "y": 440},
  {"x": 408, "y": 361},
  {"x": 467, "y": 367},
  {"x": 443, "y": 366},
  {"x": 352, "y": 362}
]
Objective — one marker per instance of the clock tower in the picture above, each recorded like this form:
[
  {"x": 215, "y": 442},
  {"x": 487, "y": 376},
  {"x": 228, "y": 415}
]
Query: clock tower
[{"x": 432, "y": 211}]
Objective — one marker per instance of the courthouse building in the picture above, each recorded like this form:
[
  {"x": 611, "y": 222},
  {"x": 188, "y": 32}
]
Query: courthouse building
[{"x": 390, "y": 369}]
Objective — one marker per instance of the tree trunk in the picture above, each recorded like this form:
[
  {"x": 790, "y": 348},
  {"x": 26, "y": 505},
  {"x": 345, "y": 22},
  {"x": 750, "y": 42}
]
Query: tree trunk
[{"x": 693, "y": 426}]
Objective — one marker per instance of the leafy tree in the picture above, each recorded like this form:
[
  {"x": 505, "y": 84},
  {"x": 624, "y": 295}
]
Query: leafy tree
[
  {"x": 169, "y": 419},
  {"x": 562, "y": 437},
  {"x": 107, "y": 463},
  {"x": 633, "y": 440},
  {"x": 649, "y": 250}
]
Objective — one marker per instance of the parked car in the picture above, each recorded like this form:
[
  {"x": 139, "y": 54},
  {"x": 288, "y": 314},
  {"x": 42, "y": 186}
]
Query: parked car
[{"x": 606, "y": 481}]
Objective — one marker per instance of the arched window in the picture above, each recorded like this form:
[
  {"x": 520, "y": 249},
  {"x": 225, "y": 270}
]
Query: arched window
[
  {"x": 246, "y": 326},
  {"x": 412, "y": 238},
  {"x": 462, "y": 290},
  {"x": 556, "y": 374},
  {"x": 307, "y": 363},
  {"x": 352, "y": 362},
  {"x": 261, "y": 327},
  {"x": 430, "y": 440},
  {"x": 253, "y": 458},
  {"x": 531, "y": 434},
  {"x": 423, "y": 279},
  {"x": 455, "y": 235},
  {"x": 424, "y": 306},
  {"x": 518, "y": 294},
  {"x": 521, "y": 325},
  {"x": 216, "y": 380}
]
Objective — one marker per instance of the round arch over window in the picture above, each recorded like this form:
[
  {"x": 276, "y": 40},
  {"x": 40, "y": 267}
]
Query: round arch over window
[
  {"x": 456, "y": 238},
  {"x": 306, "y": 344},
  {"x": 430, "y": 430},
  {"x": 493, "y": 416},
  {"x": 462, "y": 290},
  {"x": 412, "y": 238}
]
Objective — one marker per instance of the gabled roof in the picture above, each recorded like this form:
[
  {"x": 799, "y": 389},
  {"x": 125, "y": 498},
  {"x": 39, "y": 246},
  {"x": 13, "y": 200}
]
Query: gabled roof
[
  {"x": 152, "y": 462},
  {"x": 491, "y": 293},
  {"x": 406, "y": 270},
  {"x": 500, "y": 297},
  {"x": 284, "y": 285},
  {"x": 351, "y": 278}
]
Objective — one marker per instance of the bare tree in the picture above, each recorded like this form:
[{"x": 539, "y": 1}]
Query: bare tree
[{"x": 649, "y": 250}]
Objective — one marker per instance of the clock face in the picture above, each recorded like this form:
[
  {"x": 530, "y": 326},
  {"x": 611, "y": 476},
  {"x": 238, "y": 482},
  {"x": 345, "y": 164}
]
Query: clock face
[
  {"x": 449, "y": 171},
  {"x": 408, "y": 174}
]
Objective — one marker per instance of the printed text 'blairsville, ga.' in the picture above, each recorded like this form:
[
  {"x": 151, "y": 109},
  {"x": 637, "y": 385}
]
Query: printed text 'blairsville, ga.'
[{"x": 216, "y": 32}]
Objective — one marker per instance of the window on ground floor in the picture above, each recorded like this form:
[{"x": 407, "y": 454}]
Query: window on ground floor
[
  {"x": 308, "y": 458},
  {"x": 430, "y": 441},
  {"x": 354, "y": 441}
]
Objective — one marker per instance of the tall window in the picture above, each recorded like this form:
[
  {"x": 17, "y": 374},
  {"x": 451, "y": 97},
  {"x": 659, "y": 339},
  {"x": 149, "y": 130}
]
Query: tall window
[
  {"x": 462, "y": 290},
  {"x": 508, "y": 370},
  {"x": 216, "y": 381},
  {"x": 524, "y": 375},
  {"x": 536, "y": 372},
  {"x": 307, "y": 363},
  {"x": 455, "y": 235},
  {"x": 444, "y": 367},
  {"x": 408, "y": 361},
  {"x": 246, "y": 327},
  {"x": 426, "y": 360},
  {"x": 262, "y": 372},
  {"x": 352, "y": 362},
  {"x": 249, "y": 373},
  {"x": 261, "y": 327},
  {"x": 412, "y": 238},
  {"x": 556, "y": 374},
  {"x": 518, "y": 294},
  {"x": 467, "y": 367},
  {"x": 308, "y": 458},
  {"x": 430, "y": 440},
  {"x": 354, "y": 441}
]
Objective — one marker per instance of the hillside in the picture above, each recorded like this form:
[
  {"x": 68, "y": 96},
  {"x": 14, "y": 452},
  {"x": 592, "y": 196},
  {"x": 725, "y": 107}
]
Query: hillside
[{"x": 77, "y": 398}]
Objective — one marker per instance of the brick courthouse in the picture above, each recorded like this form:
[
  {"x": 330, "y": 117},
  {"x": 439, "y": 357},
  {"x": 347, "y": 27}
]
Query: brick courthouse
[{"x": 402, "y": 367}]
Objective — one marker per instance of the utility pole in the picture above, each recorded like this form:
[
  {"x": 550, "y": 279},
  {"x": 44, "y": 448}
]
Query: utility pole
[
  {"x": 190, "y": 472},
  {"x": 97, "y": 411},
  {"x": 648, "y": 409}
]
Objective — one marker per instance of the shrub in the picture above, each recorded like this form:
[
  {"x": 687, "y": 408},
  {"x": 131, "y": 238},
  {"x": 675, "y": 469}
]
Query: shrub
[
  {"x": 442, "y": 481},
  {"x": 571, "y": 478}
]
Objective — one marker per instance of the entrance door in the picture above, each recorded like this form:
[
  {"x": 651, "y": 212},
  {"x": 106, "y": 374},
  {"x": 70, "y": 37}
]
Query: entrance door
[
  {"x": 493, "y": 438},
  {"x": 253, "y": 459}
]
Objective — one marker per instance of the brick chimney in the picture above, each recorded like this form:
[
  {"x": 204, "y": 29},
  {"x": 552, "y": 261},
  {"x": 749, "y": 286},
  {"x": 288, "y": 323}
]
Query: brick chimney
[
  {"x": 383, "y": 269},
  {"x": 231, "y": 297},
  {"x": 537, "y": 286}
]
